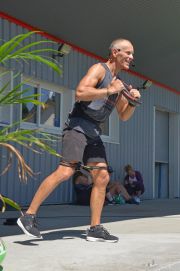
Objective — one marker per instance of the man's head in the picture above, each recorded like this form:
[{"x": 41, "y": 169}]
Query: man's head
[{"x": 121, "y": 51}]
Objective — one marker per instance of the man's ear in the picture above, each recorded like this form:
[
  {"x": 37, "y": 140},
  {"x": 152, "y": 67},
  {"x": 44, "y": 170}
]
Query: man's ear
[{"x": 114, "y": 52}]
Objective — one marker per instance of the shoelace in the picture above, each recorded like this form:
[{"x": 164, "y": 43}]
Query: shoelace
[
  {"x": 105, "y": 231},
  {"x": 34, "y": 221}
]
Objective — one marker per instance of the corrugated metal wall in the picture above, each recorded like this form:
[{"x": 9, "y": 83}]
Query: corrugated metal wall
[
  {"x": 74, "y": 66},
  {"x": 137, "y": 136}
]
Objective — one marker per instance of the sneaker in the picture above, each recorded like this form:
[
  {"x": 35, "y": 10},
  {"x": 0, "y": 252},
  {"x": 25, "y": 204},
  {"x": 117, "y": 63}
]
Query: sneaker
[
  {"x": 132, "y": 201},
  {"x": 111, "y": 202},
  {"x": 137, "y": 199},
  {"x": 28, "y": 224},
  {"x": 99, "y": 233}
]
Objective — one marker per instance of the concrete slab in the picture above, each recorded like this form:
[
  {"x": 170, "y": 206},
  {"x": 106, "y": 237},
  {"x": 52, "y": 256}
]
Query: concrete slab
[{"x": 149, "y": 239}]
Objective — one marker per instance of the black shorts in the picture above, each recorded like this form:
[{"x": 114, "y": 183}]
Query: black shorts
[{"x": 77, "y": 147}]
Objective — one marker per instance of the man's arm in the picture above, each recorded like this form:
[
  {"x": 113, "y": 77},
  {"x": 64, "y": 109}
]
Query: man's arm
[
  {"x": 86, "y": 89},
  {"x": 124, "y": 109}
]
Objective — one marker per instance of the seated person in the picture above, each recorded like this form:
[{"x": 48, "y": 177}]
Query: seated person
[
  {"x": 116, "y": 188},
  {"x": 133, "y": 182},
  {"x": 83, "y": 187}
]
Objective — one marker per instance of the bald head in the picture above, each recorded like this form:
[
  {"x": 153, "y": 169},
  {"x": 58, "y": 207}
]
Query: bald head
[{"x": 119, "y": 44}]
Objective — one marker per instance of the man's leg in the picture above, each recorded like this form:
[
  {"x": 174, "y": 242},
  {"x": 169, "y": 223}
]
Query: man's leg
[
  {"x": 95, "y": 155},
  {"x": 27, "y": 222},
  {"x": 100, "y": 181},
  {"x": 61, "y": 174},
  {"x": 97, "y": 232},
  {"x": 73, "y": 145}
]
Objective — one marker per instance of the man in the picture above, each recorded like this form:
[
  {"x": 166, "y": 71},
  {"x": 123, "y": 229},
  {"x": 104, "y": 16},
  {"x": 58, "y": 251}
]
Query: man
[{"x": 97, "y": 94}]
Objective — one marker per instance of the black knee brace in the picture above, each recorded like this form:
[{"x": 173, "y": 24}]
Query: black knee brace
[
  {"x": 68, "y": 164},
  {"x": 79, "y": 166}
]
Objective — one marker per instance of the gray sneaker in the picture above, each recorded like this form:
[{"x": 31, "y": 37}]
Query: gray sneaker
[
  {"x": 28, "y": 224},
  {"x": 99, "y": 233}
]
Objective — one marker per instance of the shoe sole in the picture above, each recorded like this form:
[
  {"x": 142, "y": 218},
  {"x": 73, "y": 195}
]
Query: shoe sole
[
  {"x": 25, "y": 231},
  {"x": 93, "y": 239}
]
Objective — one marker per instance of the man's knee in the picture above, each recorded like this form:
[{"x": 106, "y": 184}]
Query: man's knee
[
  {"x": 102, "y": 178},
  {"x": 64, "y": 172}
]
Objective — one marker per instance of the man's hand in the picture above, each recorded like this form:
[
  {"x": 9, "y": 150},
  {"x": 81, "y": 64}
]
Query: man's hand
[
  {"x": 115, "y": 86},
  {"x": 135, "y": 93},
  {"x": 132, "y": 95}
]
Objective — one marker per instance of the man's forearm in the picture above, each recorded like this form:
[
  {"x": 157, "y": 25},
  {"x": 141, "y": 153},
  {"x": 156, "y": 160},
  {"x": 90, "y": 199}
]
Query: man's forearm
[
  {"x": 90, "y": 94},
  {"x": 127, "y": 112}
]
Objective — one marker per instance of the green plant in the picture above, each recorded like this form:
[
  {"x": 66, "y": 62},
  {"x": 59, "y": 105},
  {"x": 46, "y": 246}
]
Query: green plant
[
  {"x": 15, "y": 50},
  {"x": 10, "y": 202},
  {"x": 2, "y": 252}
]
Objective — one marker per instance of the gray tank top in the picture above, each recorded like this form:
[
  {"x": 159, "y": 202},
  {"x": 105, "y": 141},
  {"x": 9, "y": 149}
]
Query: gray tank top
[{"x": 86, "y": 117}]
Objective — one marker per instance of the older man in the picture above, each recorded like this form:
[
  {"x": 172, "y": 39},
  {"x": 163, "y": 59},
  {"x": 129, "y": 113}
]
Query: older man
[{"x": 97, "y": 94}]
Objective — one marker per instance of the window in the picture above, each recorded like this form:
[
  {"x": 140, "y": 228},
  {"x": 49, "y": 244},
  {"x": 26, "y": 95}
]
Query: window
[
  {"x": 110, "y": 129},
  {"x": 105, "y": 127},
  {"x": 58, "y": 102},
  {"x": 48, "y": 116},
  {"x": 29, "y": 110}
]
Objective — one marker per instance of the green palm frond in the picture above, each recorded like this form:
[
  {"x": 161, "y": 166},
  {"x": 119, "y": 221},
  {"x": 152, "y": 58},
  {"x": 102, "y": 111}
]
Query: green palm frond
[
  {"x": 3, "y": 204},
  {"x": 14, "y": 49},
  {"x": 30, "y": 138},
  {"x": 41, "y": 59},
  {"x": 23, "y": 168},
  {"x": 35, "y": 140},
  {"x": 10, "y": 202},
  {"x": 15, "y": 96}
]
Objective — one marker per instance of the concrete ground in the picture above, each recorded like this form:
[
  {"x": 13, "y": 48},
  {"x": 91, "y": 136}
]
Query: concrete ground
[{"x": 149, "y": 239}]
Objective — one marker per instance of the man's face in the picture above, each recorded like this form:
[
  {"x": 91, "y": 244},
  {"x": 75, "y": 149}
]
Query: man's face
[{"x": 123, "y": 53}]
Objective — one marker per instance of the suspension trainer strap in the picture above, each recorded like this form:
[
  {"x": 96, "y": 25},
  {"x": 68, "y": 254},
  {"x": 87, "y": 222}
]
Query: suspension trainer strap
[{"x": 79, "y": 166}]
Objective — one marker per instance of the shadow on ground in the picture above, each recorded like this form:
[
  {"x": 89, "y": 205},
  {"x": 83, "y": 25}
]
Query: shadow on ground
[
  {"x": 55, "y": 235},
  {"x": 54, "y": 217}
]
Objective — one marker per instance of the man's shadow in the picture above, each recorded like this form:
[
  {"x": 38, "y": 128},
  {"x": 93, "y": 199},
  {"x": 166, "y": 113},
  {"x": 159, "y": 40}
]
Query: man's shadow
[{"x": 55, "y": 235}]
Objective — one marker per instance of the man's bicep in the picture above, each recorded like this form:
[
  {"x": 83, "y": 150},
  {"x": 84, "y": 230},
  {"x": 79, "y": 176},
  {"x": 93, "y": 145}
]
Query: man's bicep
[
  {"x": 92, "y": 77},
  {"x": 88, "y": 81}
]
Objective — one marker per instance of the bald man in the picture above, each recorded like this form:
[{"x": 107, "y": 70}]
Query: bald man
[{"x": 97, "y": 94}]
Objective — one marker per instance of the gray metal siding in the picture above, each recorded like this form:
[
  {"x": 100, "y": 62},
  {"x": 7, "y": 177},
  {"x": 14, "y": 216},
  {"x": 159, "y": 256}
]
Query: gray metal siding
[
  {"x": 74, "y": 67},
  {"x": 162, "y": 136},
  {"x": 136, "y": 142},
  {"x": 174, "y": 156}
]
